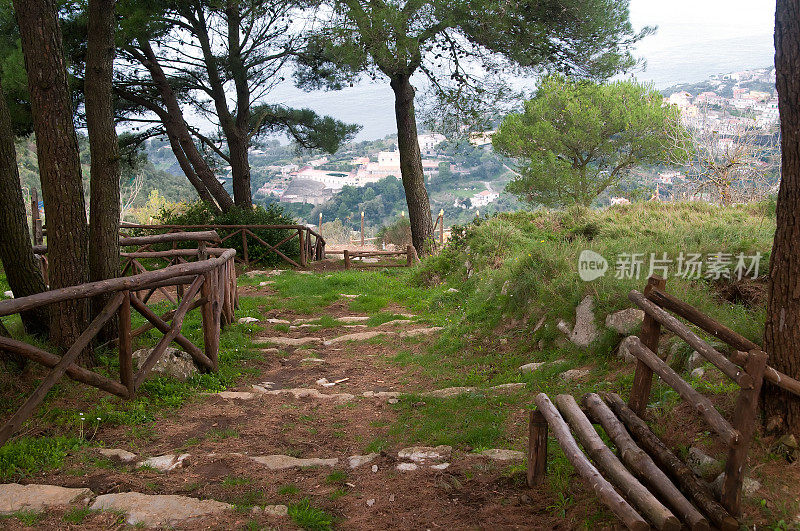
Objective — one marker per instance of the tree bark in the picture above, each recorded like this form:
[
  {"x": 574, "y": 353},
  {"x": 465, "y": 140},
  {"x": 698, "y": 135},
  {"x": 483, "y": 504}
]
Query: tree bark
[
  {"x": 237, "y": 132},
  {"x": 16, "y": 252},
  {"x": 176, "y": 126},
  {"x": 782, "y": 333},
  {"x": 419, "y": 207},
  {"x": 59, "y": 163},
  {"x": 104, "y": 151}
]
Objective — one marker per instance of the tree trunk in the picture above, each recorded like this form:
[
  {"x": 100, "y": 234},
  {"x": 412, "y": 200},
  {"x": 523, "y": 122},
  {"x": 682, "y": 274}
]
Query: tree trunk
[
  {"x": 176, "y": 126},
  {"x": 782, "y": 333},
  {"x": 104, "y": 151},
  {"x": 59, "y": 163},
  {"x": 237, "y": 132},
  {"x": 419, "y": 207},
  {"x": 16, "y": 253}
]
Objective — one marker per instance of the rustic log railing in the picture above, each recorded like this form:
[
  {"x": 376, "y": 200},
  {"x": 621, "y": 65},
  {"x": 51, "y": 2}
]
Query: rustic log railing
[
  {"x": 212, "y": 288},
  {"x": 644, "y": 455},
  {"x": 312, "y": 244},
  {"x": 349, "y": 255}
]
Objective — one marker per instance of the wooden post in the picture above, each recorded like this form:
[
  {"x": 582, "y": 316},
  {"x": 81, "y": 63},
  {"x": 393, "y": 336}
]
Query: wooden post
[
  {"x": 125, "y": 347},
  {"x": 643, "y": 378},
  {"x": 346, "y": 259},
  {"x": 244, "y": 250},
  {"x": 301, "y": 235},
  {"x": 744, "y": 421},
  {"x": 34, "y": 214},
  {"x": 319, "y": 225},
  {"x": 362, "y": 229},
  {"x": 441, "y": 228},
  {"x": 210, "y": 326},
  {"x": 537, "y": 448}
]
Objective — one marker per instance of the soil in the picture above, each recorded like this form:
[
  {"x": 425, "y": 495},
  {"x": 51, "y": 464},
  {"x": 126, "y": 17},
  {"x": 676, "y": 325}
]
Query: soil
[{"x": 473, "y": 493}]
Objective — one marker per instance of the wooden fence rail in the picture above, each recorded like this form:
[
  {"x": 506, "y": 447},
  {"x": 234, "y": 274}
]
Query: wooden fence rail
[
  {"x": 312, "y": 244},
  {"x": 212, "y": 288}
]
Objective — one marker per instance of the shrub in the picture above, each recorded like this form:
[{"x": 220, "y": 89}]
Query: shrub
[
  {"x": 199, "y": 214},
  {"x": 397, "y": 233}
]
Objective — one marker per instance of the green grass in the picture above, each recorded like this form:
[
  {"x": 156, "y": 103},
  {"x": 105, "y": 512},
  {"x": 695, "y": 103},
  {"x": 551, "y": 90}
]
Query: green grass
[
  {"x": 337, "y": 476},
  {"x": 288, "y": 490},
  {"x": 27, "y": 456},
  {"x": 310, "y": 518},
  {"x": 77, "y": 515},
  {"x": 28, "y": 518}
]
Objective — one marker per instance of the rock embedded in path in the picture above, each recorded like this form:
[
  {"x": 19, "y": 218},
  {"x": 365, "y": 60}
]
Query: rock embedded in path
[
  {"x": 278, "y": 321},
  {"x": 270, "y": 351},
  {"x": 358, "y": 336},
  {"x": 118, "y": 455},
  {"x": 420, "y": 454},
  {"x": 625, "y": 321},
  {"x": 508, "y": 387},
  {"x": 499, "y": 454},
  {"x": 236, "y": 395},
  {"x": 449, "y": 392},
  {"x": 421, "y": 331},
  {"x": 353, "y": 318},
  {"x": 281, "y": 462},
  {"x": 301, "y": 392},
  {"x": 173, "y": 362},
  {"x": 276, "y": 510},
  {"x": 530, "y": 367},
  {"x": 574, "y": 374},
  {"x": 356, "y": 461},
  {"x": 247, "y": 320},
  {"x": 407, "y": 467},
  {"x": 36, "y": 498},
  {"x": 165, "y": 463},
  {"x": 158, "y": 510},
  {"x": 288, "y": 341}
]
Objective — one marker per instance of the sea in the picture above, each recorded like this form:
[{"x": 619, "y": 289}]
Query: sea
[{"x": 683, "y": 55}]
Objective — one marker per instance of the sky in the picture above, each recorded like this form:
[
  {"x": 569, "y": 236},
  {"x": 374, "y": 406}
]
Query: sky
[{"x": 695, "y": 38}]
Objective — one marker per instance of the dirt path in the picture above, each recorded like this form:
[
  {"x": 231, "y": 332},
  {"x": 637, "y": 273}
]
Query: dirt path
[{"x": 313, "y": 425}]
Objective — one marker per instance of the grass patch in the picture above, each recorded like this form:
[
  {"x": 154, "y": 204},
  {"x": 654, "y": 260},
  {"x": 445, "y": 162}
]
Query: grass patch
[
  {"x": 288, "y": 490},
  {"x": 77, "y": 515},
  {"x": 310, "y": 518},
  {"x": 28, "y": 518},
  {"x": 26, "y": 456}
]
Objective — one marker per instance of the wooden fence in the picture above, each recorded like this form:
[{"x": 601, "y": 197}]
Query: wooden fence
[
  {"x": 312, "y": 245},
  {"x": 211, "y": 282},
  {"x": 409, "y": 252}
]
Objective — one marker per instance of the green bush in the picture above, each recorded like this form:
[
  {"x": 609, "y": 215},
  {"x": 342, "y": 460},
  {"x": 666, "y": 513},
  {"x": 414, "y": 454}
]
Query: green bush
[
  {"x": 397, "y": 233},
  {"x": 28, "y": 455},
  {"x": 199, "y": 214}
]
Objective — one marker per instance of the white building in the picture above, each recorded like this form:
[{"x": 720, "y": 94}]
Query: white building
[
  {"x": 429, "y": 141},
  {"x": 484, "y": 198}
]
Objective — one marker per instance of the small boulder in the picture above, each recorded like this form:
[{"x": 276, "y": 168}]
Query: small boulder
[
  {"x": 165, "y": 463},
  {"x": 420, "y": 454},
  {"x": 697, "y": 373},
  {"x": 173, "y": 362},
  {"x": 585, "y": 331},
  {"x": 695, "y": 360},
  {"x": 118, "y": 455},
  {"x": 624, "y": 351},
  {"x": 247, "y": 320},
  {"x": 9, "y": 294},
  {"x": 508, "y": 387},
  {"x": 407, "y": 467},
  {"x": 276, "y": 510},
  {"x": 702, "y": 464},
  {"x": 159, "y": 510},
  {"x": 281, "y": 462},
  {"x": 574, "y": 374},
  {"x": 356, "y": 461},
  {"x": 625, "y": 321},
  {"x": 530, "y": 367},
  {"x": 449, "y": 392},
  {"x": 36, "y": 498},
  {"x": 749, "y": 485},
  {"x": 499, "y": 454}
]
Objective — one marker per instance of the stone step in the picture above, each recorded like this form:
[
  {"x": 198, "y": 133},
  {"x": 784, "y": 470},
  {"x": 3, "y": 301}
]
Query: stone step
[
  {"x": 36, "y": 498},
  {"x": 158, "y": 510}
]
